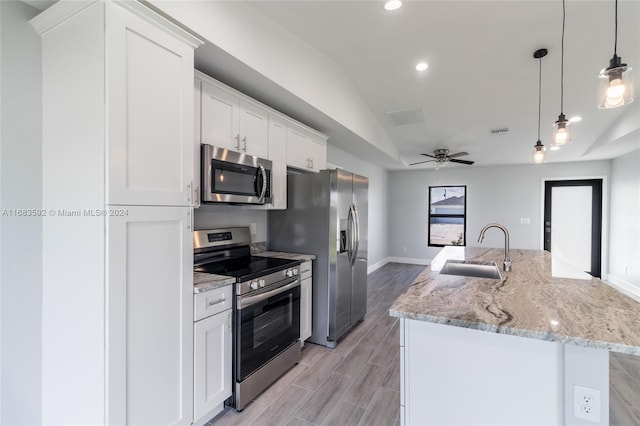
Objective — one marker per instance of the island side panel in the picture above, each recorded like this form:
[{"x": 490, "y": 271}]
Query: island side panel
[
  {"x": 459, "y": 376},
  {"x": 586, "y": 368}
]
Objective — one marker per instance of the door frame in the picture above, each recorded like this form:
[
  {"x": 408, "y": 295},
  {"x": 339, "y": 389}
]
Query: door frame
[{"x": 604, "y": 237}]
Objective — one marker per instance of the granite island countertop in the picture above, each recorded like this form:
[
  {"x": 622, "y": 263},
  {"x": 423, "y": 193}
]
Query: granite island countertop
[
  {"x": 203, "y": 281},
  {"x": 530, "y": 301}
]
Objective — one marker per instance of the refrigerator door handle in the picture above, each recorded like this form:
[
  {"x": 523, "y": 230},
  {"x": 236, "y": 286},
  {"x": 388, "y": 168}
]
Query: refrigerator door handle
[
  {"x": 357, "y": 232},
  {"x": 350, "y": 235}
]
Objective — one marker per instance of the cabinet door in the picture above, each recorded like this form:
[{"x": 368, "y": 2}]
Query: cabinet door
[
  {"x": 149, "y": 76},
  {"x": 298, "y": 154},
  {"x": 212, "y": 364},
  {"x": 254, "y": 129},
  {"x": 305, "y": 309},
  {"x": 219, "y": 118},
  {"x": 318, "y": 153},
  {"x": 150, "y": 316},
  {"x": 278, "y": 156}
]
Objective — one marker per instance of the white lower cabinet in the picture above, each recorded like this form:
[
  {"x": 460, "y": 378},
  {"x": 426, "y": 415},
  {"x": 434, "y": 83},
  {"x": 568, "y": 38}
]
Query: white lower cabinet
[
  {"x": 149, "y": 315},
  {"x": 305, "y": 301},
  {"x": 212, "y": 358}
]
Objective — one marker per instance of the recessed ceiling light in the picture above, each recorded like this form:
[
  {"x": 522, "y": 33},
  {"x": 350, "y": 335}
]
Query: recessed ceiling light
[
  {"x": 575, "y": 119},
  {"x": 392, "y": 5},
  {"x": 422, "y": 66}
]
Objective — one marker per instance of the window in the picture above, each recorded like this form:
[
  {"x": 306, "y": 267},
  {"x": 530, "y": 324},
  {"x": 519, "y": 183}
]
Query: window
[{"x": 447, "y": 216}]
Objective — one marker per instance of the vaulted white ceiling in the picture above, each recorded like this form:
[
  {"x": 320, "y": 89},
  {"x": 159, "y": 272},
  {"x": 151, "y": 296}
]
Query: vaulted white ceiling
[{"x": 481, "y": 74}]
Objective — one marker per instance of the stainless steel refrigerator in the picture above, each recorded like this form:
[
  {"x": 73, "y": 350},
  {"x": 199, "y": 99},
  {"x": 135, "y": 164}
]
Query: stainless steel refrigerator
[{"x": 327, "y": 216}]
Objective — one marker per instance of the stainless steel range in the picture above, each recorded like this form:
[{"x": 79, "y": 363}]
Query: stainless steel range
[{"x": 266, "y": 326}]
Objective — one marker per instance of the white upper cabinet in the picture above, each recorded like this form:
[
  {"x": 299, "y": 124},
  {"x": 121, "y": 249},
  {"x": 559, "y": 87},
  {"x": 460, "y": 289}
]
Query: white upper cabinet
[
  {"x": 149, "y": 110},
  {"x": 227, "y": 121},
  {"x": 306, "y": 149},
  {"x": 278, "y": 156}
]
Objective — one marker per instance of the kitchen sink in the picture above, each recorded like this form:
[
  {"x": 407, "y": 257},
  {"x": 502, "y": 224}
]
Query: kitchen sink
[{"x": 471, "y": 268}]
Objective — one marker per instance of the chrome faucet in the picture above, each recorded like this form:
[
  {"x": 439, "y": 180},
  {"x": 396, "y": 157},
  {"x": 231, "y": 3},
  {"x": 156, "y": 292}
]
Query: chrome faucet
[{"x": 506, "y": 265}]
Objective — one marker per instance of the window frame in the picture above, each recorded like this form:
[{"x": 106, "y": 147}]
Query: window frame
[{"x": 462, "y": 216}]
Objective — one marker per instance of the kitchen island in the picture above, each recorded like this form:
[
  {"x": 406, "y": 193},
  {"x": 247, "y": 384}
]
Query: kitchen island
[{"x": 519, "y": 350}]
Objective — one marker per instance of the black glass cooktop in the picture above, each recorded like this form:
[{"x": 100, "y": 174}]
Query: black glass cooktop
[{"x": 246, "y": 268}]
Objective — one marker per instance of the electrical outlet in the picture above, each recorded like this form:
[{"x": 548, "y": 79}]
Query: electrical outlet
[
  {"x": 586, "y": 404},
  {"x": 252, "y": 228}
]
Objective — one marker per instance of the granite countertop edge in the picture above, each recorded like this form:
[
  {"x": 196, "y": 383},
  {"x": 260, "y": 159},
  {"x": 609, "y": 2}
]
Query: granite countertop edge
[
  {"x": 283, "y": 255},
  {"x": 549, "y": 337}
]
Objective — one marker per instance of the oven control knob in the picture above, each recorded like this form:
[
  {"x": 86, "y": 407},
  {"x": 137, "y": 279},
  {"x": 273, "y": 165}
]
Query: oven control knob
[
  {"x": 261, "y": 283},
  {"x": 254, "y": 285},
  {"x": 295, "y": 271},
  {"x": 289, "y": 273}
]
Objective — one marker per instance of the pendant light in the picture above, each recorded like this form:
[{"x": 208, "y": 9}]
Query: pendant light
[
  {"x": 561, "y": 135},
  {"x": 616, "y": 85},
  {"x": 539, "y": 154}
]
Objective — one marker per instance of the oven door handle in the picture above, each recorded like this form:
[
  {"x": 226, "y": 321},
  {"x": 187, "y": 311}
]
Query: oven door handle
[{"x": 244, "y": 302}]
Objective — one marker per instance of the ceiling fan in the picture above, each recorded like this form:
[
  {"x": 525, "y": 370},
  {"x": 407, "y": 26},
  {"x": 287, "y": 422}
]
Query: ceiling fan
[{"x": 441, "y": 157}]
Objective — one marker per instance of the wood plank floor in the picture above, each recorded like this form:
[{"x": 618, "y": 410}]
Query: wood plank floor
[{"x": 358, "y": 382}]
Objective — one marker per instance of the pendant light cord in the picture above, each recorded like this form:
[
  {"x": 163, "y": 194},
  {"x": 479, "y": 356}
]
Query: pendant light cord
[
  {"x": 539, "y": 96},
  {"x": 615, "y": 42},
  {"x": 562, "y": 60}
]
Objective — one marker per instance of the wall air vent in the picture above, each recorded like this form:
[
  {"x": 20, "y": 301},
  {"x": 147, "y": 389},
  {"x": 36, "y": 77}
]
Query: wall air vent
[
  {"x": 502, "y": 131},
  {"x": 402, "y": 117}
]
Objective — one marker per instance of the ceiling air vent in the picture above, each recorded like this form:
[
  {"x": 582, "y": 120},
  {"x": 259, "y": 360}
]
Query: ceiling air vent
[
  {"x": 402, "y": 117},
  {"x": 502, "y": 131}
]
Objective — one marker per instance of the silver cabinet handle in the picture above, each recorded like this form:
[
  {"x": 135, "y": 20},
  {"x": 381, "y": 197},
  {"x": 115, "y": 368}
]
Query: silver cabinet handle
[
  {"x": 189, "y": 185},
  {"x": 196, "y": 196},
  {"x": 244, "y": 139},
  {"x": 229, "y": 322},
  {"x": 215, "y": 302},
  {"x": 237, "y": 138}
]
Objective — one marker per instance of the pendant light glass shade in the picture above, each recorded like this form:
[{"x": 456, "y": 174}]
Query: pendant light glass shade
[
  {"x": 539, "y": 153},
  {"x": 562, "y": 132},
  {"x": 616, "y": 85}
]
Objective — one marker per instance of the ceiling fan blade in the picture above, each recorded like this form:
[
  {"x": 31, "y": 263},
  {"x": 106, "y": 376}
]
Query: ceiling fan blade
[
  {"x": 429, "y": 155},
  {"x": 458, "y": 154},
  {"x": 453, "y": 160},
  {"x": 421, "y": 162}
]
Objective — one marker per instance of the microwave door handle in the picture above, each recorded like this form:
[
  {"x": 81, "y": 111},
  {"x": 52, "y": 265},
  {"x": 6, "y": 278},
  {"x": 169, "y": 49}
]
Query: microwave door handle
[{"x": 262, "y": 172}]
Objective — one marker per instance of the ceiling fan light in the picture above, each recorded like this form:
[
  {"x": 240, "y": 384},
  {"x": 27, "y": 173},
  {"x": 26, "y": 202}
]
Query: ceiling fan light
[{"x": 616, "y": 85}]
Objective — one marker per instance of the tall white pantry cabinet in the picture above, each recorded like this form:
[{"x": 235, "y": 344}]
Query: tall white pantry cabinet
[{"x": 118, "y": 193}]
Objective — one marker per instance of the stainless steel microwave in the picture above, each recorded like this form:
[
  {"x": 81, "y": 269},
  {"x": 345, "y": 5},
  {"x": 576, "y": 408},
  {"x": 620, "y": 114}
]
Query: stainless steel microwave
[{"x": 234, "y": 178}]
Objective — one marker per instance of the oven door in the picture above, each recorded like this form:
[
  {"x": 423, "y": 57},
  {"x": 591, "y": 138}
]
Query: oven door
[
  {"x": 266, "y": 324},
  {"x": 231, "y": 177}
]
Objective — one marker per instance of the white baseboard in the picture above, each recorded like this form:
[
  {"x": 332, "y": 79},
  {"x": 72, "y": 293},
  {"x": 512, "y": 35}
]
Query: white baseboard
[
  {"x": 377, "y": 265},
  {"x": 627, "y": 288},
  {"x": 409, "y": 260}
]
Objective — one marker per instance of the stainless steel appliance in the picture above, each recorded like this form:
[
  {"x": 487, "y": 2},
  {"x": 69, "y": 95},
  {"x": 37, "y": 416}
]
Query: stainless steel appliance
[
  {"x": 234, "y": 178},
  {"x": 327, "y": 216},
  {"x": 266, "y": 326}
]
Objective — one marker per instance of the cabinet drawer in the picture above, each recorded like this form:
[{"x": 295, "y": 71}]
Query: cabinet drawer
[
  {"x": 305, "y": 270},
  {"x": 211, "y": 302}
]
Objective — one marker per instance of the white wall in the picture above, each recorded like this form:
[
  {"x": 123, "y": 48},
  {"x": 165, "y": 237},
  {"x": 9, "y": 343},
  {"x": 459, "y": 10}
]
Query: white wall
[
  {"x": 21, "y": 237},
  {"x": 503, "y": 194},
  {"x": 378, "y": 213},
  {"x": 624, "y": 222}
]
